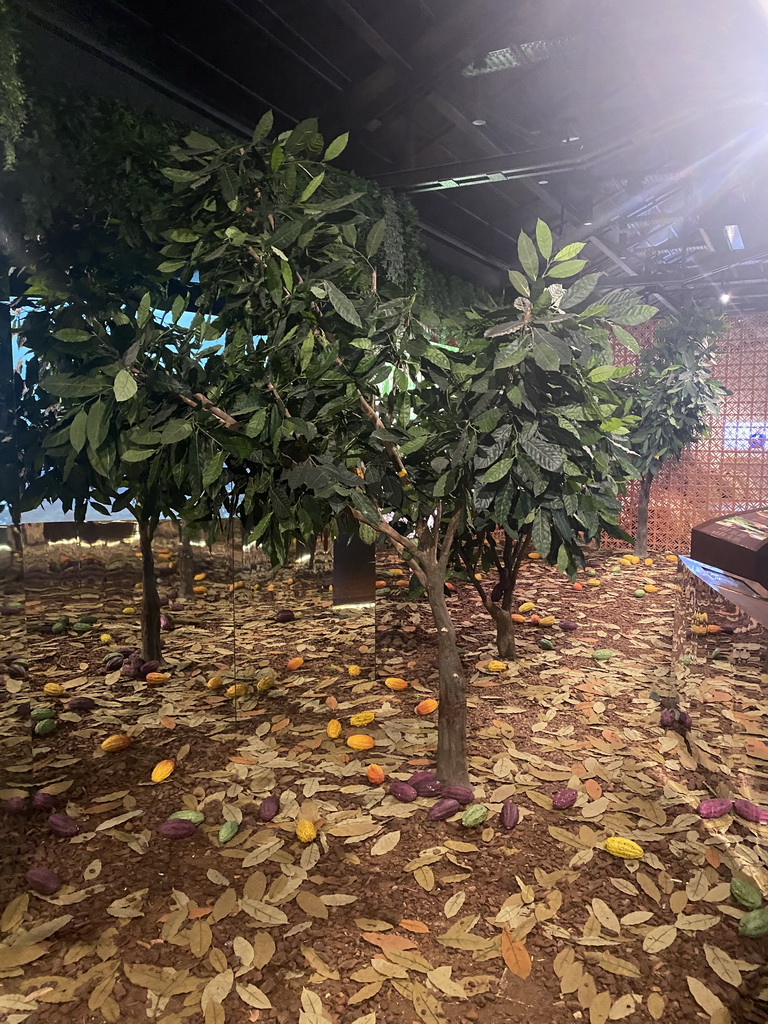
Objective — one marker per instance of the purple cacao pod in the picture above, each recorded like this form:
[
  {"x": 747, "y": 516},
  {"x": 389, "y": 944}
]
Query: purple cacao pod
[
  {"x": 498, "y": 592},
  {"x": 403, "y": 792},
  {"x": 429, "y": 787},
  {"x": 464, "y": 794},
  {"x": 130, "y": 671},
  {"x": 569, "y": 626},
  {"x": 173, "y": 594},
  {"x": 177, "y": 606},
  {"x": 715, "y": 808},
  {"x": 63, "y": 826},
  {"x": 564, "y": 799},
  {"x": 510, "y": 814},
  {"x": 269, "y": 807},
  {"x": 16, "y": 805},
  {"x": 163, "y": 600},
  {"x": 147, "y": 667},
  {"x": 443, "y": 809},
  {"x": 17, "y": 671},
  {"x": 748, "y": 811},
  {"x": 284, "y": 615},
  {"x": 421, "y": 777},
  {"x": 81, "y": 704},
  {"x": 113, "y": 663},
  {"x": 44, "y": 881},
  {"x": 177, "y": 828},
  {"x": 166, "y": 622},
  {"x": 667, "y": 718},
  {"x": 685, "y": 721},
  {"x": 126, "y": 652},
  {"x": 43, "y": 802}
]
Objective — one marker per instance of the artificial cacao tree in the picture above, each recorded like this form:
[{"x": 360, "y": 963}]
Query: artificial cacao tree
[{"x": 672, "y": 397}]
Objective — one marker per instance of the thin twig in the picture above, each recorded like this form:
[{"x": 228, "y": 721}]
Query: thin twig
[
  {"x": 450, "y": 536},
  {"x": 280, "y": 403}
]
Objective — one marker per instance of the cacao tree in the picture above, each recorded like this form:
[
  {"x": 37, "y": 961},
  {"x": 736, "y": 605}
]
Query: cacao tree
[{"x": 672, "y": 397}]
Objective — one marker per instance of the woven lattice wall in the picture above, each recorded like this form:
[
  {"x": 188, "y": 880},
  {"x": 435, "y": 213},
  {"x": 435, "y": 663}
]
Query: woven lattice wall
[{"x": 721, "y": 474}]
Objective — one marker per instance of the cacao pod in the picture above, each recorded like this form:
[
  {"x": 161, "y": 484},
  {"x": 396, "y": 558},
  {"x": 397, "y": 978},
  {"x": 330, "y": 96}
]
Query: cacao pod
[
  {"x": 162, "y": 770},
  {"x": 353, "y": 671},
  {"x": 16, "y": 805},
  {"x": 294, "y": 663},
  {"x": 496, "y": 666},
  {"x": 546, "y": 644},
  {"x": 474, "y": 815},
  {"x": 428, "y": 787},
  {"x": 177, "y": 828},
  {"x": 196, "y": 817},
  {"x": 82, "y": 704},
  {"x": 497, "y": 593},
  {"x": 333, "y": 729},
  {"x": 403, "y": 792},
  {"x": 526, "y": 606},
  {"x": 593, "y": 583},
  {"x": 715, "y": 808},
  {"x": 639, "y": 593},
  {"x": 748, "y": 811},
  {"x": 46, "y": 727},
  {"x": 604, "y": 654},
  {"x": 375, "y": 774},
  {"x": 305, "y": 831},
  {"x": 215, "y": 683},
  {"x": 63, "y": 826},
  {"x": 519, "y": 620},
  {"x": 237, "y": 690},
  {"x": 746, "y": 894},
  {"x": 113, "y": 663},
  {"x": 269, "y": 807},
  {"x": 443, "y": 809},
  {"x": 426, "y": 707},
  {"x": 44, "y": 881},
  {"x": 228, "y": 831},
  {"x": 40, "y": 714},
  {"x": 568, "y": 626},
  {"x": 667, "y": 718},
  {"x": 548, "y": 620},
  {"x": 510, "y": 814},
  {"x": 564, "y": 799},
  {"x": 149, "y": 666},
  {"x": 754, "y": 925},
  {"x": 395, "y": 683},
  {"x": 285, "y": 615},
  {"x": 118, "y": 741},
  {"x": 624, "y": 848},
  {"x": 362, "y": 718},
  {"x": 422, "y": 776},
  {"x": 157, "y": 678},
  {"x": 43, "y": 802},
  {"x": 53, "y": 690},
  {"x": 463, "y": 794},
  {"x": 360, "y": 741},
  {"x": 685, "y": 721}
]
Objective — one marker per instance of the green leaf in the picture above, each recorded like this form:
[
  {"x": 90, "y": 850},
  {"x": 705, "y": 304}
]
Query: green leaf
[
  {"x": 144, "y": 311},
  {"x": 498, "y": 471},
  {"x": 545, "y": 355},
  {"x": 213, "y": 469},
  {"x": 98, "y": 424},
  {"x": 72, "y": 334},
  {"x": 312, "y": 187},
  {"x": 600, "y": 373},
  {"x": 307, "y": 349},
  {"x": 569, "y": 251},
  {"x": 543, "y": 454},
  {"x": 375, "y": 237},
  {"x": 263, "y": 128},
  {"x": 256, "y": 423},
  {"x": 125, "y": 386},
  {"x": 183, "y": 235},
  {"x": 626, "y": 339},
  {"x": 138, "y": 454},
  {"x": 342, "y": 304},
  {"x": 639, "y": 314},
  {"x": 260, "y": 529},
  {"x": 77, "y": 430},
  {"x": 544, "y": 239},
  {"x": 567, "y": 269},
  {"x": 171, "y": 266},
  {"x": 230, "y": 183},
  {"x": 277, "y": 158},
  {"x": 541, "y": 534},
  {"x": 519, "y": 283},
  {"x": 175, "y": 431},
  {"x": 579, "y": 290},
  {"x": 201, "y": 143},
  {"x": 64, "y": 385},
  {"x": 337, "y": 147},
  {"x": 529, "y": 258}
]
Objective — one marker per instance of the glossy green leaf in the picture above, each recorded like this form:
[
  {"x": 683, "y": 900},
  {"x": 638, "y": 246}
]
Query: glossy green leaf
[
  {"x": 342, "y": 304},
  {"x": 568, "y": 269},
  {"x": 77, "y": 430},
  {"x": 375, "y": 238},
  {"x": 544, "y": 238},
  {"x": 125, "y": 386},
  {"x": 529, "y": 258},
  {"x": 263, "y": 128},
  {"x": 519, "y": 283},
  {"x": 569, "y": 251},
  {"x": 72, "y": 334},
  {"x": 337, "y": 147}
]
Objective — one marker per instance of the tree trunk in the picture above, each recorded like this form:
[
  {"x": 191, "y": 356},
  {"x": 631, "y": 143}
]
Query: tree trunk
[
  {"x": 641, "y": 537},
  {"x": 505, "y": 631},
  {"x": 452, "y": 714},
  {"x": 186, "y": 566},
  {"x": 150, "y": 605}
]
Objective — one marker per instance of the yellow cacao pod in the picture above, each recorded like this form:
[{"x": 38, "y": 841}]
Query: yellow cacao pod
[
  {"x": 375, "y": 774},
  {"x": 360, "y": 741},
  {"x": 354, "y": 671},
  {"x": 426, "y": 707},
  {"x": 699, "y": 630},
  {"x": 362, "y": 718},
  {"x": 671, "y": 558},
  {"x": 333, "y": 729},
  {"x": 395, "y": 683},
  {"x": 526, "y": 606},
  {"x": 199, "y": 577},
  {"x": 634, "y": 559},
  {"x": 105, "y": 638},
  {"x": 395, "y": 572},
  {"x": 237, "y": 690},
  {"x": 118, "y": 741},
  {"x": 548, "y": 620},
  {"x": 53, "y": 689},
  {"x": 648, "y": 561},
  {"x": 624, "y": 848},
  {"x": 294, "y": 664},
  {"x": 701, "y": 617},
  {"x": 713, "y": 628},
  {"x": 265, "y": 685},
  {"x": 593, "y": 583},
  {"x": 518, "y": 619},
  {"x": 199, "y": 590},
  {"x": 534, "y": 555},
  {"x": 305, "y": 830},
  {"x": 157, "y": 678},
  {"x": 237, "y": 585},
  {"x": 650, "y": 589},
  {"x": 162, "y": 770},
  {"x": 215, "y": 683},
  {"x": 129, "y": 610},
  {"x": 496, "y": 666}
]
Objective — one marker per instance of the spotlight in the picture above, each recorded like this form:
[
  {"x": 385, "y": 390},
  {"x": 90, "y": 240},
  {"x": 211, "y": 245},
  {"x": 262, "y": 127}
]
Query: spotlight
[
  {"x": 587, "y": 223},
  {"x": 725, "y": 298},
  {"x": 544, "y": 181},
  {"x": 479, "y": 122}
]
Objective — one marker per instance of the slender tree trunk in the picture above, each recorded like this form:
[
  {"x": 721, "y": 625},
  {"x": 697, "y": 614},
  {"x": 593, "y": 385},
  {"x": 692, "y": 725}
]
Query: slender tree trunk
[
  {"x": 452, "y": 714},
  {"x": 150, "y": 605},
  {"x": 505, "y": 631},
  {"x": 186, "y": 565},
  {"x": 641, "y": 537}
]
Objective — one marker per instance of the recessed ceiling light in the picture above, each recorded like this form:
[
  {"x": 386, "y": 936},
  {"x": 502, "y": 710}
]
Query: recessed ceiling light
[
  {"x": 544, "y": 181},
  {"x": 479, "y": 122},
  {"x": 725, "y": 297},
  {"x": 587, "y": 223}
]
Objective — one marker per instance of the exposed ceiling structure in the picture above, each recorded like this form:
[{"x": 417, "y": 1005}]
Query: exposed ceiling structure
[{"x": 639, "y": 128}]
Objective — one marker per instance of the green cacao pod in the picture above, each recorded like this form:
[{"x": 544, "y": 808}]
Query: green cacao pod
[
  {"x": 475, "y": 814},
  {"x": 228, "y": 831},
  {"x": 196, "y": 817},
  {"x": 603, "y": 654},
  {"x": 40, "y": 714},
  {"x": 546, "y": 644},
  {"x": 81, "y": 627},
  {"x": 746, "y": 894},
  {"x": 754, "y": 924},
  {"x": 58, "y": 627},
  {"x": 46, "y": 727}
]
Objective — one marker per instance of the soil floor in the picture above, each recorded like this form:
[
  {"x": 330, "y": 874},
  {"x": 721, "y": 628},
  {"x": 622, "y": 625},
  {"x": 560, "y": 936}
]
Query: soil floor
[{"x": 386, "y": 917}]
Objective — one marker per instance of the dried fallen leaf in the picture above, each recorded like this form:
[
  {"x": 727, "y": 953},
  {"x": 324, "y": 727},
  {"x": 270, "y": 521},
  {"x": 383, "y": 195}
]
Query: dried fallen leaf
[
  {"x": 706, "y": 999},
  {"x": 723, "y": 965},
  {"x": 385, "y": 844},
  {"x": 413, "y": 926},
  {"x": 659, "y": 938},
  {"x": 656, "y": 1004},
  {"x": 599, "y": 1008},
  {"x": 454, "y": 904},
  {"x": 516, "y": 956}
]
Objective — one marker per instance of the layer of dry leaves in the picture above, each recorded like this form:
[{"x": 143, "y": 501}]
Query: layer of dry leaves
[{"x": 385, "y": 918}]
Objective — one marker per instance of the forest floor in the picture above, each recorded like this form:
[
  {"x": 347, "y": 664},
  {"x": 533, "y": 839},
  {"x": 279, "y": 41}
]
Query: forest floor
[{"x": 386, "y": 918}]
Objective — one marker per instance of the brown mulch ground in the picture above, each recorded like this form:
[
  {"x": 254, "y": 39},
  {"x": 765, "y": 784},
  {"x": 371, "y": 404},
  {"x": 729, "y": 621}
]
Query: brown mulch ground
[{"x": 386, "y": 917}]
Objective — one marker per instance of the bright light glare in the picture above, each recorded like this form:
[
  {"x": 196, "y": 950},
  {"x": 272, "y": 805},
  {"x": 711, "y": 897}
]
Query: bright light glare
[{"x": 725, "y": 298}]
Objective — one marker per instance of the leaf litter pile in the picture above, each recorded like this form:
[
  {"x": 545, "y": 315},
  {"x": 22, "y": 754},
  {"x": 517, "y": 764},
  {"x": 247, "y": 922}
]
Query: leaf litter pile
[{"x": 379, "y": 915}]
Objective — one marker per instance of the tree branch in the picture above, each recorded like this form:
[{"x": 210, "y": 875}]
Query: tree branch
[
  {"x": 389, "y": 447},
  {"x": 223, "y": 417},
  {"x": 391, "y": 534},
  {"x": 450, "y": 536},
  {"x": 472, "y": 578},
  {"x": 280, "y": 403}
]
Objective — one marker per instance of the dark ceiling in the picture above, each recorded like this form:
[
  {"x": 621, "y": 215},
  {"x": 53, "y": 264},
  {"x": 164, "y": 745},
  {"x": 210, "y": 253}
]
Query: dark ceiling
[{"x": 641, "y": 128}]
